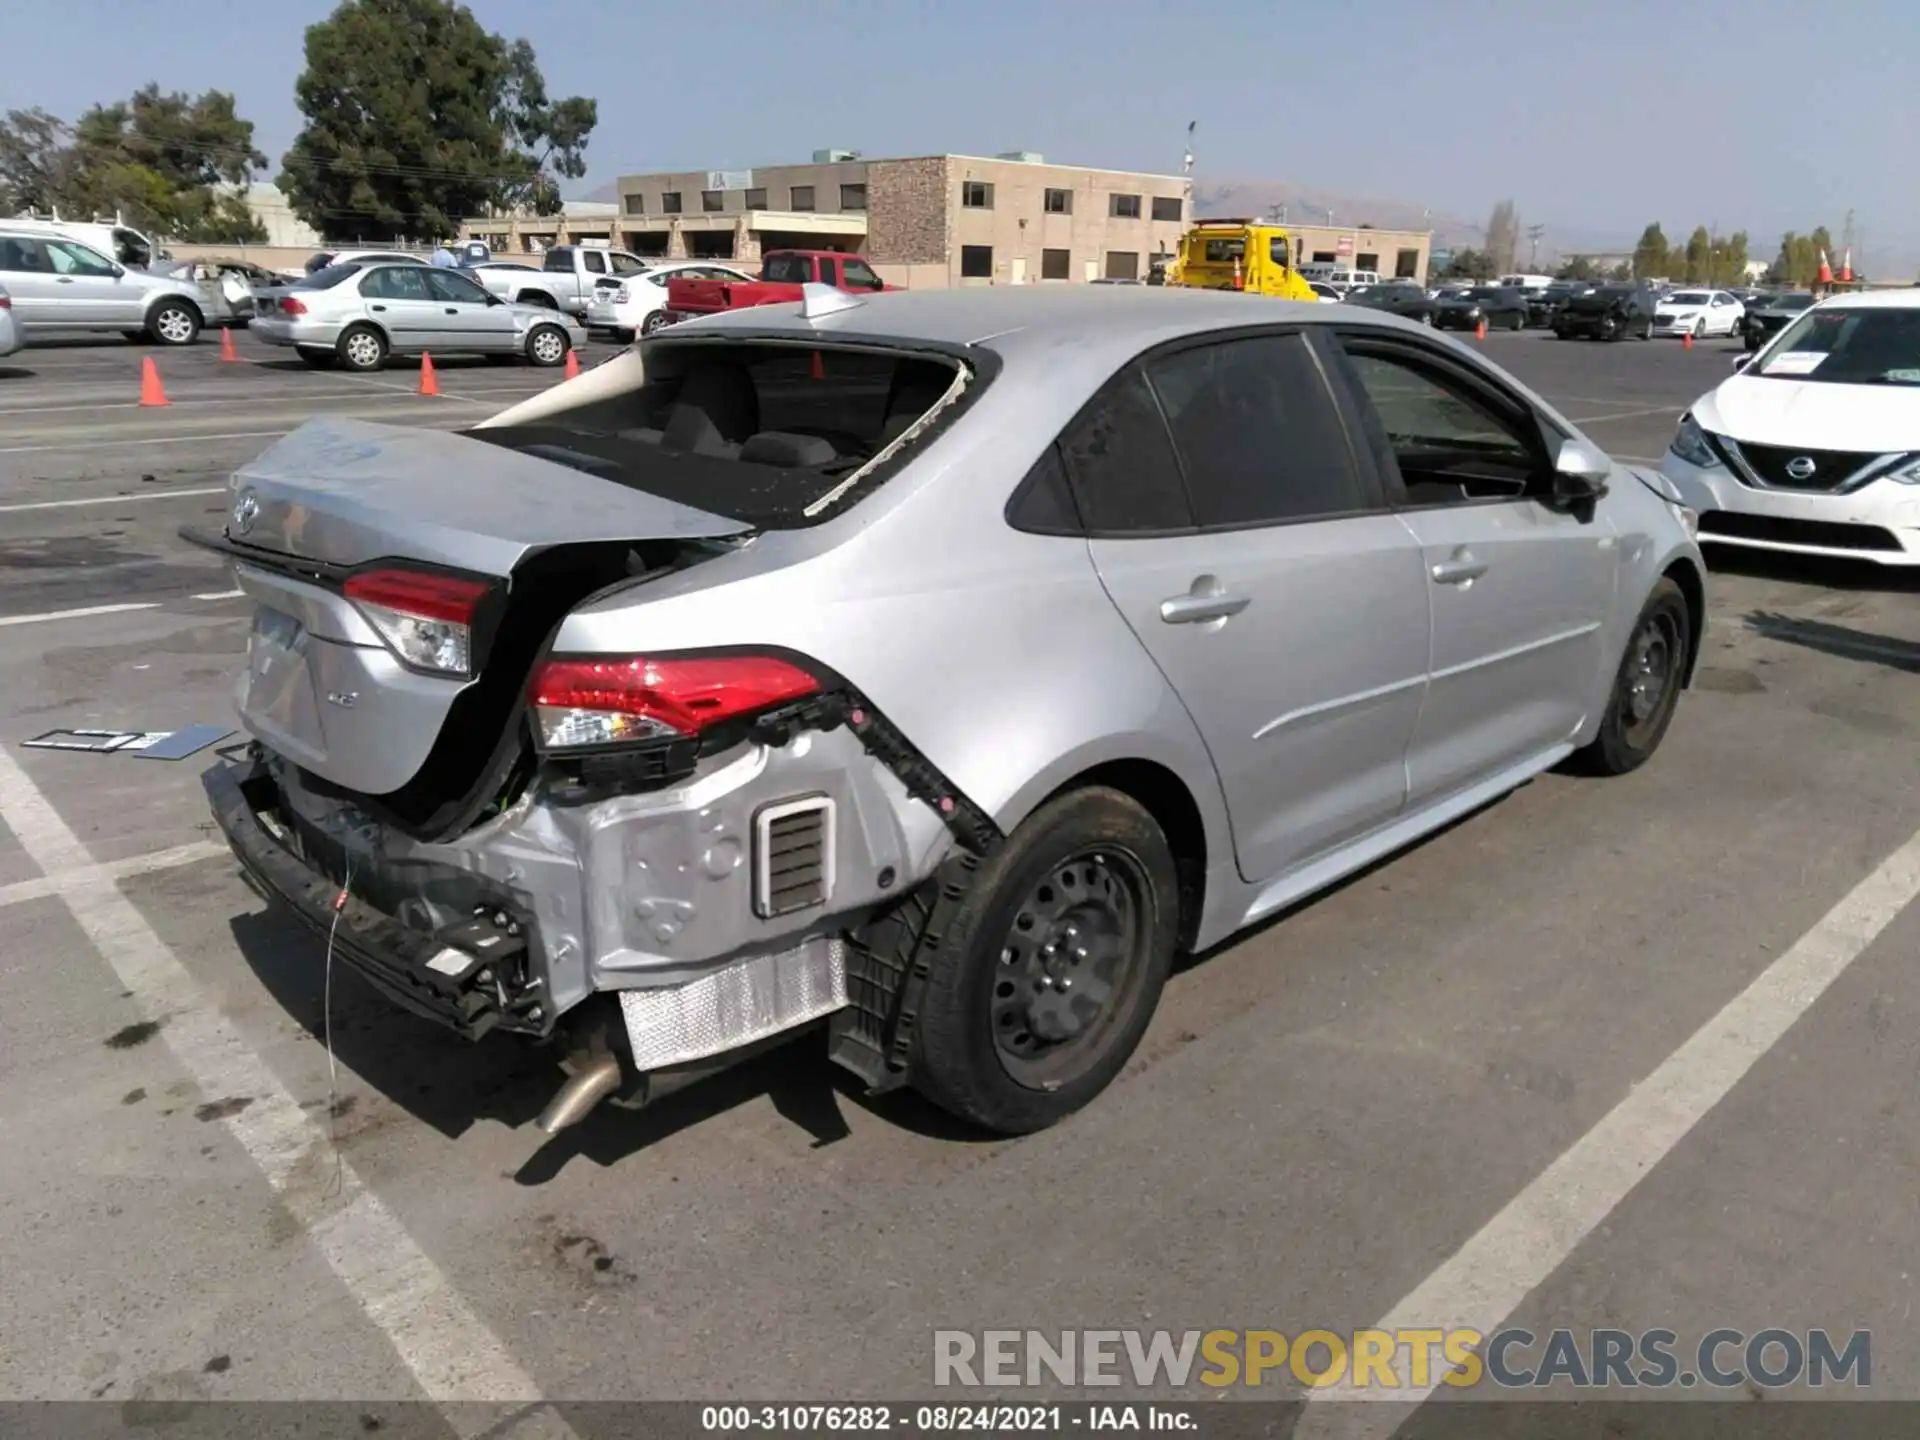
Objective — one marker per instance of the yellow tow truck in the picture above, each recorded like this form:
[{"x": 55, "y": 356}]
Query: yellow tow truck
[{"x": 1246, "y": 255}]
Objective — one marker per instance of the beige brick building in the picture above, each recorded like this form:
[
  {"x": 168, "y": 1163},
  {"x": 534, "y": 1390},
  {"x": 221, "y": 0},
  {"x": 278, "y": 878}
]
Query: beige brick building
[{"x": 925, "y": 222}]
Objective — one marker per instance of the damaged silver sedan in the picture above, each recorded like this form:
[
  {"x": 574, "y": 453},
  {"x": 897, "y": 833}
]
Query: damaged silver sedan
[{"x": 927, "y": 668}]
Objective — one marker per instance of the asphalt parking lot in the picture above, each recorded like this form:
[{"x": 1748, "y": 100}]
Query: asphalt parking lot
[{"x": 1482, "y": 1080}]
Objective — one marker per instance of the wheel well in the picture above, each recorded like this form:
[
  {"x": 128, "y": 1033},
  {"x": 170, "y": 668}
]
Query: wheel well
[
  {"x": 199, "y": 315},
  {"x": 536, "y": 297},
  {"x": 373, "y": 325},
  {"x": 1687, "y": 577},
  {"x": 1165, "y": 797}
]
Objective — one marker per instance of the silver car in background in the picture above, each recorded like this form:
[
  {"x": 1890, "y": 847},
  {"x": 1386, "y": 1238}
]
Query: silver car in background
[
  {"x": 933, "y": 665},
  {"x": 358, "y": 313},
  {"x": 60, "y": 284},
  {"x": 11, "y": 340}
]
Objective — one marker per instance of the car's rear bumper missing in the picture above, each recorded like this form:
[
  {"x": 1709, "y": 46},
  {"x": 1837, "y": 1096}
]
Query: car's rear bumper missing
[{"x": 470, "y": 977}]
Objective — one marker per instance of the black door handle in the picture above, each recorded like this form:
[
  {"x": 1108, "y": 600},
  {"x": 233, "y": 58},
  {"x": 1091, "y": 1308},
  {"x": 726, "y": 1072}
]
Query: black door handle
[
  {"x": 376, "y": 307},
  {"x": 452, "y": 311}
]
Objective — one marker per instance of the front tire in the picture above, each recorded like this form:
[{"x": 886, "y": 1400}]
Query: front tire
[
  {"x": 174, "y": 322},
  {"x": 361, "y": 347},
  {"x": 1044, "y": 982},
  {"x": 1646, "y": 688},
  {"x": 547, "y": 345}
]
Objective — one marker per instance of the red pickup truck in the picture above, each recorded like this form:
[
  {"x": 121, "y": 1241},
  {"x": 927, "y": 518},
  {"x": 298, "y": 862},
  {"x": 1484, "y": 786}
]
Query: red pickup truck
[{"x": 782, "y": 273}]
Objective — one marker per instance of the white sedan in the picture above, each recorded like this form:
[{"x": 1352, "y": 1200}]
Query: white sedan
[
  {"x": 636, "y": 306},
  {"x": 1814, "y": 446},
  {"x": 1698, "y": 313}
]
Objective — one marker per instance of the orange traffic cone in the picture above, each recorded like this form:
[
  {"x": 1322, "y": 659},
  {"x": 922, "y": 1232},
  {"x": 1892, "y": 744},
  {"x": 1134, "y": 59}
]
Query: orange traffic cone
[
  {"x": 819, "y": 371},
  {"x": 227, "y": 352},
  {"x": 1825, "y": 277},
  {"x": 1686, "y": 341},
  {"x": 573, "y": 363},
  {"x": 1480, "y": 331},
  {"x": 428, "y": 384},
  {"x": 1846, "y": 268},
  {"x": 150, "y": 391}
]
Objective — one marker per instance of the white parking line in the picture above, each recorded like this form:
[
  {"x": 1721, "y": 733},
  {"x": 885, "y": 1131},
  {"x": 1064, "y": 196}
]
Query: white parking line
[
  {"x": 41, "y": 886},
  {"x": 1628, "y": 414},
  {"x": 450, "y": 1351},
  {"x": 177, "y": 439},
  {"x": 221, "y": 595},
  {"x": 81, "y": 613},
  {"x": 114, "y": 499},
  {"x": 1530, "y": 1238}
]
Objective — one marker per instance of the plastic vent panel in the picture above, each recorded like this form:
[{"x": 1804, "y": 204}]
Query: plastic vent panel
[{"x": 793, "y": 856}]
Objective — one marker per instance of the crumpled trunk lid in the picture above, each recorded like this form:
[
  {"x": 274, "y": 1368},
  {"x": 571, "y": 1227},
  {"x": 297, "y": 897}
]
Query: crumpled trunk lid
[{"x": 324, "y": 689}]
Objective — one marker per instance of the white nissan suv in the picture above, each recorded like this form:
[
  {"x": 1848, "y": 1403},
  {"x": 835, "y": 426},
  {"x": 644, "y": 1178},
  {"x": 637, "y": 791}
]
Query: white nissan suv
[{"x": 1814, "y": 445}]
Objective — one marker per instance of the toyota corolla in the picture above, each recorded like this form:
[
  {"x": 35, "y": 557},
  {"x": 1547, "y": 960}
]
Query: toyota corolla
[{"x": 926, "y": 668}]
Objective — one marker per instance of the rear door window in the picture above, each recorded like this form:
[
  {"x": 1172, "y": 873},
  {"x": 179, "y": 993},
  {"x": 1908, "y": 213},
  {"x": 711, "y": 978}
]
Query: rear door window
[
  {"x": 1126, "y": 477},
  {"x": 1258, "y": 434}
]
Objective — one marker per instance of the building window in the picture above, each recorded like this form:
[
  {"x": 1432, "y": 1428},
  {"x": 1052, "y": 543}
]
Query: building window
[
  {"x": 1123, "y": 264},
  {"x": 1406, "y": 264},
  {"x": 1367, "y": 260},
  {"x": 712, "y": 200},
  {"x": 669, "y": 202},
  {"x": 636, "y": 204},
  {"x": 1057, "y": 202},
  {"x": 1054, "y": 265},
  {"x": 1324, "y": 257},
  {"x": 853, "y": 197},
  {"x": 1166, "y": 207},
  {"x": 756, "y": 199},
  {"x": 800, "y": 197},
  {"x": 1124, "y": 207},
  {"x": 976, "y": 262},
  {"x": 976, "y": 195}
]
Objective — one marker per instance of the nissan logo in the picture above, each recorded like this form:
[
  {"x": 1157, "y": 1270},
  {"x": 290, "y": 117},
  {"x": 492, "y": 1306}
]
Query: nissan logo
[
  {"x": 1801, "y": 467},
  {"x": 246, "y": 509}
]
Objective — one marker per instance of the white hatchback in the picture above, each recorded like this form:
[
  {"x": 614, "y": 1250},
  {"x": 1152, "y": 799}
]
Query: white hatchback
[
  {"x": 1814, "y": 446},
  {"x": 637, "y": 305}
]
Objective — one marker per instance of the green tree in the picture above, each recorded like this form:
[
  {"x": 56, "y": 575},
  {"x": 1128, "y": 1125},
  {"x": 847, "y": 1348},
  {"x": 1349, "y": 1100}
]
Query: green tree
[
  {"x": 1579, "y": 267},
  {"x": 1470, "y": 264},
  {"x": 417, "y": 116},
  {"x": 1699, "y": 256},
  {"x": 1650, "y": 256},
  {"x": 1729, "y": 260},
  {"x": 171, "y": 163},
  {"x": 1621, "y": 273}
]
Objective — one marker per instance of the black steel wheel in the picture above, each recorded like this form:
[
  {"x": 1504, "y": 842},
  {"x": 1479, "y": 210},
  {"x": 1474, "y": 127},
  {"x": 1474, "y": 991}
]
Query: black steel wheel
[
  {"x": 1046, "y": 980},
  {"x": 1646, "y": 688}
]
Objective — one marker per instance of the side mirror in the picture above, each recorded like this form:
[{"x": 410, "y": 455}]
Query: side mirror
[
  {"x": 1580, "y": 473},
  {"x": 118, "y": 271},
  {"x": 1740, "y": 362}
]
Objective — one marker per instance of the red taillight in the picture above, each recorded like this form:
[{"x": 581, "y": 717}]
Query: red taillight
[
  {"x": 427, "y": 619},
  {"x": 604, "y": 702},
  {"x": 415, "y": 592},
  {"x": 6, "y": 302},
  {"x": 291, "y": 306}
]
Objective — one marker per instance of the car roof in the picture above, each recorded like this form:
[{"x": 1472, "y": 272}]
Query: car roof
[
  {"x": 1906, "y": 299},
  {"x": 1117, "y": 324}
]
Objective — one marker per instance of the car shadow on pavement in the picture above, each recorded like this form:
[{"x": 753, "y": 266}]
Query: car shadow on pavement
[
  {"x": 449, "y": 1083},
  {"x": 1841, "y": 640},
  {"x": 1824, "y": 571}
]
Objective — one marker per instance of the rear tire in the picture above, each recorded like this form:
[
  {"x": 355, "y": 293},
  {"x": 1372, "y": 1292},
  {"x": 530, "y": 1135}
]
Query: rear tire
[
  {"x": 547, "y": 346},
  {"x": 1646, "y": 688},
  {"x": 1045, "y": 980},
  {"x": 361, "y": 347},
  {"x": 651, "y": 325}
]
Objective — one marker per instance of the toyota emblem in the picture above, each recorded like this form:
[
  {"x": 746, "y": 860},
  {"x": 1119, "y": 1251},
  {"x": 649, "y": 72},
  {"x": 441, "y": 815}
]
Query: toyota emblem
[
  {"x": 246, "y": 509},
  {"x": 1801, "y": 467}
]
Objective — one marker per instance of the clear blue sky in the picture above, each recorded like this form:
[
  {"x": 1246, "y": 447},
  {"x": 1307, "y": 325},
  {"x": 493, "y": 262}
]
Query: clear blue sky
[{"x": 1594, "y": 117}]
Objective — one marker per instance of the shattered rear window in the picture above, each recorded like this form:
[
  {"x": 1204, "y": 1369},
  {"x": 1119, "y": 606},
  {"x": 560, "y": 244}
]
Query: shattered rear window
[{"x": 770, "y": 435}]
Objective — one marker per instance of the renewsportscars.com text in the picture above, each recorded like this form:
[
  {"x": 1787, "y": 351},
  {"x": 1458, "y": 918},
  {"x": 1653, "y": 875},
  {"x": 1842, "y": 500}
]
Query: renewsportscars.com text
[{"x": 1418, "y": 1359}]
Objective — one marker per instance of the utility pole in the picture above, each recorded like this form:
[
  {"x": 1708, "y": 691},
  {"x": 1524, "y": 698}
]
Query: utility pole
[{"x": 1534, "y": 232}]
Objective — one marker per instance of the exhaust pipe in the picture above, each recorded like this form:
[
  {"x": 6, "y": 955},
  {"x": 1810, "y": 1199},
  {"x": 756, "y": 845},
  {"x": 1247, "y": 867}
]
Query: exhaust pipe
[{"x": 585, "y": 1088}]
